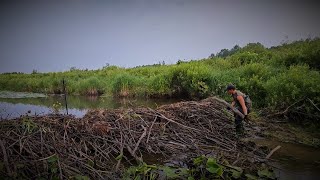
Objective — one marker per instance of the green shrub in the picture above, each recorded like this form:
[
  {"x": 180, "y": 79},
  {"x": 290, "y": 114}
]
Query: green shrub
[
  {"x": 91, "y": 86},
  {"x": 296, "y": 83},
  {"x": 159, "y": 86},
  {"x": 123, "y": 85}
]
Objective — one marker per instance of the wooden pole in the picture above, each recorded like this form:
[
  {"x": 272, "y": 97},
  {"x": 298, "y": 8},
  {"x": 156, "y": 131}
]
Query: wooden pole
[
  {"x": 235, "y": 110},
  {"x": 65, "y": 95}
]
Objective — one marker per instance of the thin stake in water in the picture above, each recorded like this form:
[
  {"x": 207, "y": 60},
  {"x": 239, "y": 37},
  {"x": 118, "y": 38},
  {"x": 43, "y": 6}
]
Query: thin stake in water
[{"x": 65, "y": 94}]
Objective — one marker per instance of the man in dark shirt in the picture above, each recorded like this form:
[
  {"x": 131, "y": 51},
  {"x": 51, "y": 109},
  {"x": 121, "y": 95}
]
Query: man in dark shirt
[{"x": 243, "y": 103}]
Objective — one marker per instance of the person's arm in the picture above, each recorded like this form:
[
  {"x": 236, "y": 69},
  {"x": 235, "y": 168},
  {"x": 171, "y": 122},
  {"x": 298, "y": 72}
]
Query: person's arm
[{"x": 243, "y": 105}]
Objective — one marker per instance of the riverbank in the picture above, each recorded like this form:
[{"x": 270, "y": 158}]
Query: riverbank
[{"x": 198, "y": 133}]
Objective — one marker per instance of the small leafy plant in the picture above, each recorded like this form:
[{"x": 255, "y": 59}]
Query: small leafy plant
[{"x": 56, "y": 107}]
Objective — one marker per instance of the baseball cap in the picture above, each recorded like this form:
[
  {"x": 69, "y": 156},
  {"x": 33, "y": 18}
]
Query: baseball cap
[{"x": 230, "y": 86}]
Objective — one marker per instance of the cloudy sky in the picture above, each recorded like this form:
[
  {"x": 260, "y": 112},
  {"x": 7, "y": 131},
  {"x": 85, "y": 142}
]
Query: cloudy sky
[{"x": 56, "y": 35}]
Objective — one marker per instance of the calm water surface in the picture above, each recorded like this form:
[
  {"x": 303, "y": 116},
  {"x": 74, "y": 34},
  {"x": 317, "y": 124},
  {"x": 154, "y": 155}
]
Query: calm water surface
[{"x": 13, "y": 105}]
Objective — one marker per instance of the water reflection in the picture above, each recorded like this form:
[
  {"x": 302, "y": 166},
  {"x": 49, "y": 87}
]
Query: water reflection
[{"x": 77, "y": 105}]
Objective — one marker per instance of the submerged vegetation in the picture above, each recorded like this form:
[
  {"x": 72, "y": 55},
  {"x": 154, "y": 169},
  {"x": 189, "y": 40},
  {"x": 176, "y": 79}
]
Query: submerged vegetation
[{"x": 274, "y": 77}]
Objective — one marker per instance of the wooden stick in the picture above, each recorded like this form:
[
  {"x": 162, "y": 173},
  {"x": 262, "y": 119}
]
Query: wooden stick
[
  {"x": 235, "y": 110},
  {"x": 121, "y": 153},
  {"x": 170, "y": 120},
  {"x": 141, "y": 137},
  {"x": 60, "y": 170},
  {"x": 313, "y": 104},
  {"x": 273, "y": 151},
  {"x": 5, "y": 158},
  {"x": 286, "y": 110},
  {"x": 151, "y": 128}
]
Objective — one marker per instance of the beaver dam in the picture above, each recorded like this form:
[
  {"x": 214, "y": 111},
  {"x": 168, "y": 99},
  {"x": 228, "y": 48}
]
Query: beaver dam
[{"x": 104, "y": 143}]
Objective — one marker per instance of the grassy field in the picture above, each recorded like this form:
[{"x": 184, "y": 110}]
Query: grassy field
[{"x": 273, "y": 77}]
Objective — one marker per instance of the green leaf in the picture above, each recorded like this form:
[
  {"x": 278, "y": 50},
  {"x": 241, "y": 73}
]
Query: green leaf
[
  {"x": 169, "y": 172},
  {"x": 197, "y": 161},
  {"x": 236, "y": 174},
  {"x": 236, "y": 171},
  {"x": 191, "y": 178},
  {"x": 235, "y": 168},
  {"x": 212, "y": 162},
  {"x": 217, "y": 171},
  {"x": 152, "y": 166},
  {"x": 251, "y": 177},
  {"x": 266, "y": 174},
  {"x": 213, "y": 167},
  {"x": 183, "y": 171}
]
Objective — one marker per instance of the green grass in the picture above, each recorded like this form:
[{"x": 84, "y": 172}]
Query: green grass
[{"x": 273, "y": 77}]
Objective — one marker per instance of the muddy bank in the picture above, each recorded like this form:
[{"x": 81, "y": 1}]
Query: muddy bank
[{"x": 103, "y": 141}]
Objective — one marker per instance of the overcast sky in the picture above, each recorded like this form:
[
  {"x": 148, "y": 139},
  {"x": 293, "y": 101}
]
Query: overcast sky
[{"x": 57, "y": 35}]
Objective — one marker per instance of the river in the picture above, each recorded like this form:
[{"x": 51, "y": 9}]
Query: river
[{"x": 292, "y": 161}]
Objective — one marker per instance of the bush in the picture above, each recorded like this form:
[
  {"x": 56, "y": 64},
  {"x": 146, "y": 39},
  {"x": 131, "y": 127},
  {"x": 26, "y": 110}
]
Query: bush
[
  {"x": 123, "y": 85},
  {"x": 91, "y": 86},
  {"x": 296, "y": 83},
  {"x": 159, "y": 86},
  {"x": 189, "y": 80}
]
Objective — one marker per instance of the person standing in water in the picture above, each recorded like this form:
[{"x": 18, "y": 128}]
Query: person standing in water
[{"x": 243, "y": 103}]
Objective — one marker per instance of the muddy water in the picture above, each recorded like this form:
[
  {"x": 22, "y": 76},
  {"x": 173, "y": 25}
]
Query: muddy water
[
  {"x": 292, "y": 161},
  {"x": 15, "y": 104}
]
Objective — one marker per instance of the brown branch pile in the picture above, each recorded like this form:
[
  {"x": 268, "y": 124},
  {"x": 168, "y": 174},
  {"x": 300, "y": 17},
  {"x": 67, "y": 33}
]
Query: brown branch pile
[{"x": 101, "y": 142}]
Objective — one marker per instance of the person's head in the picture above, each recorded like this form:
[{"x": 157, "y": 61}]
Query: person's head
[{"x": 231, "y": 89}]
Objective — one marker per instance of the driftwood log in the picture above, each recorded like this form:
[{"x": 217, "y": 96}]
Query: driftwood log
[{"x": 235, "y": 110}]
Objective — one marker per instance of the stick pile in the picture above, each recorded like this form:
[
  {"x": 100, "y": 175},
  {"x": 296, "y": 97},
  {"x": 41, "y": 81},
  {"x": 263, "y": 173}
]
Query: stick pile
[{"x": 103, "y": 141}]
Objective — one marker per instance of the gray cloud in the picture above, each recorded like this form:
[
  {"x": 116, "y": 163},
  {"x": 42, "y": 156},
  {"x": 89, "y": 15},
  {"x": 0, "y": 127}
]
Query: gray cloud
[{"x": 57, "y": 35}]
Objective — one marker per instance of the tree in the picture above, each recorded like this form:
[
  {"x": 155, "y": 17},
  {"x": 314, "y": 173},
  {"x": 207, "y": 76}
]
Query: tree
[
  {"x": 106, "y": 66},
  {"x": 73, "y": 68},
  {"x": 223, "y": 53}
]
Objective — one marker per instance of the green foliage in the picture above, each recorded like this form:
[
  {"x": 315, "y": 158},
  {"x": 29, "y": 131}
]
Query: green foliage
[
  {"x": 56, "y": 107},
  {"x": 272, "y": 77},
  {"x": 213, "y": 167},
  {"x": 266, "y": 174},
  {"x": 202, "y": 168},
  {"x": 296, "y": 83},
  {"x": 142, "y": 171},
  {"x": 28, "y": 125},
  {"x": 90, "y": 86},
  {"x": 124, "y": 85},
  {"x": 225, "y": 52}
]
